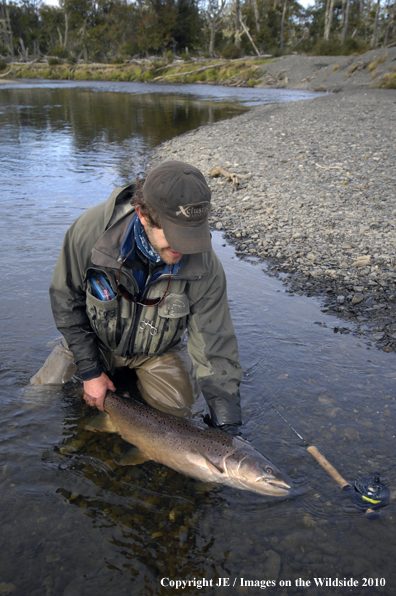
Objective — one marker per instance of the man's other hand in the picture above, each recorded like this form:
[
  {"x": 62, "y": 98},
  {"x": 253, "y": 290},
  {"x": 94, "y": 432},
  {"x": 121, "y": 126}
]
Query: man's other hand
[{"x": 95, "y": 391}]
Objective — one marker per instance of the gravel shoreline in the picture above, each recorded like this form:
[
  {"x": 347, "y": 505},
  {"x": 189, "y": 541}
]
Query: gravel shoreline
[{"x": 316, "y": 199}]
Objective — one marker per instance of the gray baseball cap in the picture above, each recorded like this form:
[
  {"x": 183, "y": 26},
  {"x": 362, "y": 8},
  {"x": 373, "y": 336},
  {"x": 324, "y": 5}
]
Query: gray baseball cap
[{"x": 178, "y": 192}]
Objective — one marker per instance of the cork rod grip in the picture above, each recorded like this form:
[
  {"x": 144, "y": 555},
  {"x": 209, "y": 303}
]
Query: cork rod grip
[{"x": 327, "y": 466}]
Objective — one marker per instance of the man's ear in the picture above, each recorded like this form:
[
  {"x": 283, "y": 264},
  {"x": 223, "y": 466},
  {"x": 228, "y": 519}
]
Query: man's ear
[{"x": 143, "y": 218}]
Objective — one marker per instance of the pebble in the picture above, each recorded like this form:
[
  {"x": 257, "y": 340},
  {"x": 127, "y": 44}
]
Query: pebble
[{"x": 316, "y": 198}]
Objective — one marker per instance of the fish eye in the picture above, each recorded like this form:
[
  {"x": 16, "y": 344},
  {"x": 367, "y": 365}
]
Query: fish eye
[{"x": 269, "y": 470}]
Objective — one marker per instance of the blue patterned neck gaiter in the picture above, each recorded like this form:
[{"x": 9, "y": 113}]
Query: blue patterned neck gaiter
[{"x": 142, "y": 242}]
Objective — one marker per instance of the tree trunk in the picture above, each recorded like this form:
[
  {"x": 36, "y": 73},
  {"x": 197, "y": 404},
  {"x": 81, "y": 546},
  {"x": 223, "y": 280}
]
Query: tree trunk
[
  {"x": 212, "y": 37},
  {"x": 283, "y": 24},
  {"x": 66, "y": 35},
  {"x": 328, "y": 19},
  {"x": 374, "y": 38},
  {"x": 60, "y": 37},
  {"x": 250, "y": 37},
  {"x": 36, "y": 47},
  {"x": 238, "y": 23},
  {"x": 345, "y": 18},
  {"x": 342, "y": 15},
  {"x": 392, "y": 21},
  {"x": 256, "y": 15},
  {"x": 6, "y": 35},
  {"x": 213, "y": 17},
  {"x": 24, "y": 51}
]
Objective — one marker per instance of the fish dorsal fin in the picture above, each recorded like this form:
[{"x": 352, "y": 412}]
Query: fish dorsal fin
[
  {"x": 133, "y": 457},
  {"x": 211, "y": 465},
  {"x": 102, "y": 423}
]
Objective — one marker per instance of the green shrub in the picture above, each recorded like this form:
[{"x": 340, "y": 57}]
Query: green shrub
[
  {"x": 323, "y": 47},
  {"x": 333, "y": 47},
  {"x": 3, "y": 64},
  {"x": 168, "y": 56},
  {"x": 186, "y": 57},
  {"x": 388, "y": 81},
  {"x": 231, "y": 52},
  {"x": 53, "y": 61},
  {"x": 353, "y": 45}
]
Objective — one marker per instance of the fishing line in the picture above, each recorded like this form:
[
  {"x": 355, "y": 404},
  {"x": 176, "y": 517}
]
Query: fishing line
[{"x": 367, "y": 492}]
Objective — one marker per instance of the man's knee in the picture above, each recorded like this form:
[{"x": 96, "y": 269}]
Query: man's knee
[
  {"x": 168, "y": 382},
  {"x": 58, "y": 368}
]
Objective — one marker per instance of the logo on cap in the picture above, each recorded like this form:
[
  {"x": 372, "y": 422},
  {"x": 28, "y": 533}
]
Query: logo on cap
[{"x": 194, "y": 211}]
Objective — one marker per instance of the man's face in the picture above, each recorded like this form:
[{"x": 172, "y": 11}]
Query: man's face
[{"x": 157, "y": 239}]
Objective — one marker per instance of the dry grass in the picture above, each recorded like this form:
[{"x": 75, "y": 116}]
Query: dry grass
[
  {"x": 388, "y": 81},
  {"x": 239, "y": 73},
  {"x": 373, "y": 65}
]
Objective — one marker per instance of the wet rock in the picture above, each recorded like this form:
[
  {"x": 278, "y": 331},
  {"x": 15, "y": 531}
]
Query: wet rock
[
  {"x": 357, "y": 298},
  {"x": 6, "y": 588},
  {"x": 272, "y": 565}
]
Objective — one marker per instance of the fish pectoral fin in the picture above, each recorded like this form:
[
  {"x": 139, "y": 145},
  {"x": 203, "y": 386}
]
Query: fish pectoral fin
[
  {"x": 133, "y": 457},
  {"x": 101, "y": 423},
  {"x": 211, "y": 465}
]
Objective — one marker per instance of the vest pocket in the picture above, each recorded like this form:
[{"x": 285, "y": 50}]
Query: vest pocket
[
  {"x": 104, "y": 319},
  {"x": 174, "y": 306},
  {"x": 168, "y": 324}
]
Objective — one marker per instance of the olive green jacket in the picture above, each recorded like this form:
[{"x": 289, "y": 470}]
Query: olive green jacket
[{"x": 196, "y": 300}]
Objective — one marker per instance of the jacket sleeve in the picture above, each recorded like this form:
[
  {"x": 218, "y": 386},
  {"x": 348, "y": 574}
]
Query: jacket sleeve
[
  {"x": 212, "y": 345},
  {"x": 68, "y": 301}
]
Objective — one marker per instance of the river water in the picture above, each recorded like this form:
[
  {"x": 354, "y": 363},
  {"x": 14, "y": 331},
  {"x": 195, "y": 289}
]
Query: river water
[{"x": 73, "y": 522}]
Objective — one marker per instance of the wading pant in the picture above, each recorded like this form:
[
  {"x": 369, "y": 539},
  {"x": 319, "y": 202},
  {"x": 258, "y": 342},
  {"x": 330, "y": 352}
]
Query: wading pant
[{"x": 167, "y": 381}]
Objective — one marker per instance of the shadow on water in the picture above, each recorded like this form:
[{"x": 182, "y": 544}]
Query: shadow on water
[{"x": 73, "y": 521}]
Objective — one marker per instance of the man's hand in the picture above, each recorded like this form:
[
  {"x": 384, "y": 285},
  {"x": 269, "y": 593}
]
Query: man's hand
[{"x": 95, "y": 391}]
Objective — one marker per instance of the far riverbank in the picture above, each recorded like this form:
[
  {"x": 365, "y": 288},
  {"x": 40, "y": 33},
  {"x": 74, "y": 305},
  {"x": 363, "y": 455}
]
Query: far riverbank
[{"x": 374, "y": 69}]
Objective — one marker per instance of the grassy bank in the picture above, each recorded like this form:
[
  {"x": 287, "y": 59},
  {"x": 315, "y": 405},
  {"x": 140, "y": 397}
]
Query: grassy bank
[{"x": 245, "y": 73}]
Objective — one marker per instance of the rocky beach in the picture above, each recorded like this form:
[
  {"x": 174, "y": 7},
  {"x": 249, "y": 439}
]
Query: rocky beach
[{"x": 316, "y": 196}]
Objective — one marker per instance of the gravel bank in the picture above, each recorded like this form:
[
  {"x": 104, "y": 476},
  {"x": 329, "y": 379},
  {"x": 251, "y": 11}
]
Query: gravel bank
[
  {"x": 330, "y": 73},
  {"x": 316, "y": 199}
]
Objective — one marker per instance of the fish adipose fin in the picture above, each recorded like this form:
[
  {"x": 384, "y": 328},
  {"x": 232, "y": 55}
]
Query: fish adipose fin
[
  {"x": 101, "y": 423},
  {"x": 133, "y": 457},
  {"x": 211, "y": 465}
]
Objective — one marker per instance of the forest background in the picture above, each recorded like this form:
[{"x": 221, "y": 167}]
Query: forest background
[{"x": 114, "y": 31}]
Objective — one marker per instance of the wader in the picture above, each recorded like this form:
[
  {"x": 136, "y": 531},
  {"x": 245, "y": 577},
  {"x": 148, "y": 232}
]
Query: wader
[{"x": 167, "y": 381}]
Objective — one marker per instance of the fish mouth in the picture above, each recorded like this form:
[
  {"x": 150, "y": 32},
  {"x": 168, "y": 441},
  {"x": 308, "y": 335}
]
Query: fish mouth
[{"x": 278, "y": 485}]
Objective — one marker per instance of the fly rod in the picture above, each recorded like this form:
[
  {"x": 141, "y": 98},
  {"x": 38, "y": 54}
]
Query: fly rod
[{"x": 366, "y": 492}]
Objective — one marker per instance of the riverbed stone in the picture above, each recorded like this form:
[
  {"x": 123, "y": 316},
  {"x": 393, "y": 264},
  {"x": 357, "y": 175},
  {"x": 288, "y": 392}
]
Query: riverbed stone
[{"x": 315, "y": 199}]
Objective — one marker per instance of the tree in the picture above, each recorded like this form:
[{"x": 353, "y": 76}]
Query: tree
[
  {"x": 391, "y": 23},
  {"x": 374, "y": 37},
  {"x": 283, "y": 23},
  {"x": 54, "y": 28},
  {"x": 238, "y": 31},
  {"x": 6, "y": 35},
  {"x": 346, "y": 4},
  {"x": 213, "y": 14},
  {"x": 328, "y": 19},
  {"x": 80, "y": 18}
]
